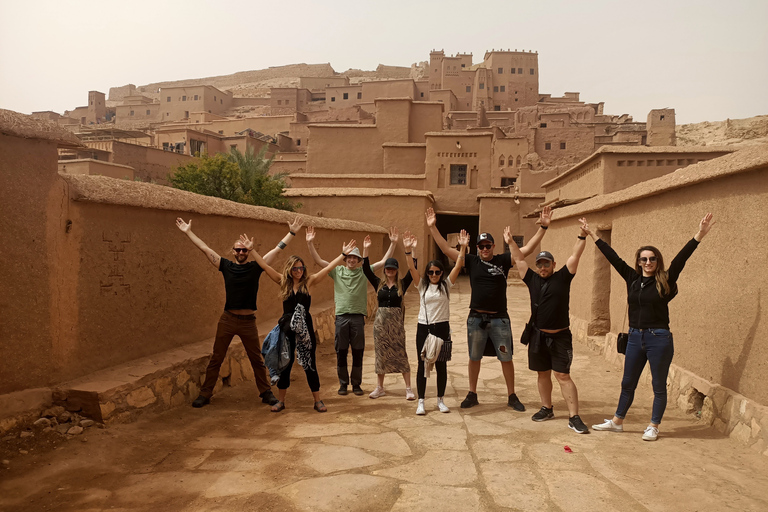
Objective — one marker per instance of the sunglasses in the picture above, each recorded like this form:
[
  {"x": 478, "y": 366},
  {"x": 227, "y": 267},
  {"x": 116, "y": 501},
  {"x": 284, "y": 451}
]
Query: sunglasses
[
  {"x": 434, "y": 272},
  {"x": 484, "y": 247},
  {"x": 240, "y": 249},
  {"x": 652, "y": 259},
  {"x": 297, "y": 269},
  {"x": 543, "y": 264}
]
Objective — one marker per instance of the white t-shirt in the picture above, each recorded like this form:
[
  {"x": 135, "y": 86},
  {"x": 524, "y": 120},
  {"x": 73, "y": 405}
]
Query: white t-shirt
[{"x": 437, "y": 303}]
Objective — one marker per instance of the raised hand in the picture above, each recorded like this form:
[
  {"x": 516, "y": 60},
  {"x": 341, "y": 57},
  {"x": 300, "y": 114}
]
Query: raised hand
[
  {"x": 295, "y": 226},
  {"x": 347, "y": 248},
  {"x": 545, "y": 217},
  {"x": 407, "y": 241},
  {"x": 704, "y": 226},
  {"x": 431, "y": 217},
  {"x": 414, "y": 242},
  {"x": 367, "y": 242},
  {"x": 508, "y": 236},
  {"x": 247, "y": 242},
  {"x": 585, "y": 227},
  {"x": 183, "y": 226},
  {"x": 463, "y": 238},
  {"x": 393, "y": 235},
  {"x": 310, "y": 233}
]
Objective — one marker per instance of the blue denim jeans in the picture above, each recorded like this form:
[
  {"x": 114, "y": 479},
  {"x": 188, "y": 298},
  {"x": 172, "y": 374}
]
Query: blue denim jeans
[
  {"x": 656, "y": 347},
  {"x": 500, "y": 332}
]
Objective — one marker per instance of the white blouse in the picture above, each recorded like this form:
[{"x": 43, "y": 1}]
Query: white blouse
[{"x": 435, "y": 302}]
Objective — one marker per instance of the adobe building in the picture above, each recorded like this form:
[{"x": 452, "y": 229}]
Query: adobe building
[{"x": 93, "y": 113}]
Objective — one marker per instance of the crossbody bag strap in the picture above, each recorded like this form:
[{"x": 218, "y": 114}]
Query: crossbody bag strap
[{"x": 535, "y": 307}]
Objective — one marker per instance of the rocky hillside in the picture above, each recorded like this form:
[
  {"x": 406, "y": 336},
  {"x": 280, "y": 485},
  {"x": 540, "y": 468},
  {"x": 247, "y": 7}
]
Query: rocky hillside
[{"x": 753, "y": 130}]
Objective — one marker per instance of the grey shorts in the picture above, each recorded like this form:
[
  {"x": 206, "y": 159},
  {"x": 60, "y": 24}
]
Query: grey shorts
[{"x": 350, "y": 331}]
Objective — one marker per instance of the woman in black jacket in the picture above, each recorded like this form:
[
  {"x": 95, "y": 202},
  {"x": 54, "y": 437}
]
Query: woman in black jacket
[{"x": 650, "y": 287}]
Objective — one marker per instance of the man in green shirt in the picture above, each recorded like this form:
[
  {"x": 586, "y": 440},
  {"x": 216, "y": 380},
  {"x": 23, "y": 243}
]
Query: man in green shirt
[{"x": 350, "y": 293}]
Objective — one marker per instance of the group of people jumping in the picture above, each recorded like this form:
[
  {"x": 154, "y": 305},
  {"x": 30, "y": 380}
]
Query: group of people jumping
[{"x": 650, "y": 287}]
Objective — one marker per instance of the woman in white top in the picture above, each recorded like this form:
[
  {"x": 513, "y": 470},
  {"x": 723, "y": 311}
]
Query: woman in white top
[{"x": 434, "y": 312}]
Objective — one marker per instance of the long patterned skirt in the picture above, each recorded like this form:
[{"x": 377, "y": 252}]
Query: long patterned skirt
[{"x": 389, "y": 342}]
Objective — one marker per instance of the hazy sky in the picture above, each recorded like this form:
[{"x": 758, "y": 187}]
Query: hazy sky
[{"x": 707, "y": 59}]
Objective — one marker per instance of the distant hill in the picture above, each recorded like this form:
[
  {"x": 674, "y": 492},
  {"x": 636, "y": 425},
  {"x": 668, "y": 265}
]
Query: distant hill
[{"x": 752, "y": 130}]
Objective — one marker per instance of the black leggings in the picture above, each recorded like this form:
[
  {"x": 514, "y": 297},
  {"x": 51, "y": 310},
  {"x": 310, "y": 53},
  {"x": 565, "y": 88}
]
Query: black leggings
[
  {"x": 441, "y": 330},
  {"x": 313, "y": 379}
]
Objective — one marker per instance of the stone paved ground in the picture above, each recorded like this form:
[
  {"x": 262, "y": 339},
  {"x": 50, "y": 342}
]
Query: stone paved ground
[{"x": 377, "y": 455}]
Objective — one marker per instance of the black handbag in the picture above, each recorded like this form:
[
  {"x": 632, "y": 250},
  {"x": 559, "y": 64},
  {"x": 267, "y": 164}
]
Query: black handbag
[{"x": 623, "y": 338}]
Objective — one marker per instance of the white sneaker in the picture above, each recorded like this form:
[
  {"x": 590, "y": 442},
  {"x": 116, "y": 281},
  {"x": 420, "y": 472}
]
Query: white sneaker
[
  {"x": 441, "y": 405},
  {"x": 376, "y": 393},
  {"x": 420, "y": 408},
  {"x": 651, "y": 433},
  {"x": 409, "y": 394},
  {"x": 609, "y": 426}
]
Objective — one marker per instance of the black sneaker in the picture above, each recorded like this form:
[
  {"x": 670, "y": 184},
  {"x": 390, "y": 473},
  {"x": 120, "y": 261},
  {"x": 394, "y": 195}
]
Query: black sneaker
[
  {"x": 470, "y": 401},
  {"x": 343, "y": 390},
  {"x": 201, "y": 401},
  {"x": 515, "y": 403},
  {"x": 544, "y": 414},
  {"x": 578, "y": 426},
  {"x": 358, "y": 390},
  {"x": 268, "y": 397}
]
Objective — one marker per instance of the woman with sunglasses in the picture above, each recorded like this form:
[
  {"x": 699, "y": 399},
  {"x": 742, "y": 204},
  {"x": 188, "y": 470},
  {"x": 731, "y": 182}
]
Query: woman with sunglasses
[
  {"x": 295, "y": 291},
  {"x": 388, "y": 328},
  {"x": 650, "y": 288},
  {"x": 434, "y": 312}
]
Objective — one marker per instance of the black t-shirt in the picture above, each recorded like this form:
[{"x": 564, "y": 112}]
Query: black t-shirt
[
  {"x": 553, "y": 305},
  {"x": 241, "y": 283},
  {"x": 489, "y": 282}
]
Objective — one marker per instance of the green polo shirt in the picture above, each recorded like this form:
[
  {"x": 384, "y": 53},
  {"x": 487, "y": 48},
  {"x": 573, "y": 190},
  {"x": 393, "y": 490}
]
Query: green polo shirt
[{"x": 350, "y": 290}]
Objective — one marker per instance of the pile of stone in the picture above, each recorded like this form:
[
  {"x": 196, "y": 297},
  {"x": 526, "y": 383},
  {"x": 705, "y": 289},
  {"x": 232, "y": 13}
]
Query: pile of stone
[{"x": 60, "y": 420}]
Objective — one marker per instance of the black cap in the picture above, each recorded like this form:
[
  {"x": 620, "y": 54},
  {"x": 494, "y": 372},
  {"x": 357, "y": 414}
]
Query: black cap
[
  {"x": 391, "y": 263},
  {"x": 545, "y": 255},
  {"x": 483, "y": 237}
]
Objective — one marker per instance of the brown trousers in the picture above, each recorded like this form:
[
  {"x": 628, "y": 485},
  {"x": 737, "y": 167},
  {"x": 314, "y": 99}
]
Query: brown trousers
[{"x": 243, "y": 326}]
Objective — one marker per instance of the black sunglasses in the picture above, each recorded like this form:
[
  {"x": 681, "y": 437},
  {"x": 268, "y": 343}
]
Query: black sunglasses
[
  {"x": 434, "y": 272},
  {"x": 652, "y": 259},
  {"x": 297, "y": 269},
  {"x": 240, "y": 249},
  {"x": 484, "y": 247}
]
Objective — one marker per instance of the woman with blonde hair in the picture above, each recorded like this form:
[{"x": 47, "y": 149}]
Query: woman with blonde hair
[
  {"x": 295, "y": 292},
  {"x": 650, "y": 288}
]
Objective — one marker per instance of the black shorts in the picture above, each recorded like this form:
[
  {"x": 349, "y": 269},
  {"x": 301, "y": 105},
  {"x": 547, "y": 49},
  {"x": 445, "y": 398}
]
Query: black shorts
[{"x": 551, "y": 352}]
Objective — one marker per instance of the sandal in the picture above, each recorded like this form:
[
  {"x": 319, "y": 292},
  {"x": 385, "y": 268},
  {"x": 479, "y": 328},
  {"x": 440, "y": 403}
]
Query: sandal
[
  {"x": 320, "y": 406},
  {"x": 279, "y": 406}
]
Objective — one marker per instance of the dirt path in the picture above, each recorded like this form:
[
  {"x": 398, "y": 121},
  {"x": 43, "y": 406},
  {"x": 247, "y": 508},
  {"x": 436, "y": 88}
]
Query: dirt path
[{"x": 377, "y": 455}]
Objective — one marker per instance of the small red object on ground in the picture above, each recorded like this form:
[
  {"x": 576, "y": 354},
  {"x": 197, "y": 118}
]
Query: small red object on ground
[{"x": 568, "y": 449}]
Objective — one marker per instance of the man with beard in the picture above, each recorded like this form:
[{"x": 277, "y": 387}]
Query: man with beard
[
  {"x": 241, "y": 282},
  {"x": 488, "y": 316}
]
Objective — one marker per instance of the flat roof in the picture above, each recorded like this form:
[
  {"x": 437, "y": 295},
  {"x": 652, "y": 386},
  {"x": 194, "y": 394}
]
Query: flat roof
[{"x": 639, "y": 150}]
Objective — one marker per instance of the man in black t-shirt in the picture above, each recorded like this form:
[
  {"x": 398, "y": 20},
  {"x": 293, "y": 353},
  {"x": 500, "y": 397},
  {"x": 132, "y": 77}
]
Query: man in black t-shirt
[
  {"x": 241, "y": 283},
  {"x": 488, "y": 316},
  {"x": 550, "y": 348}
]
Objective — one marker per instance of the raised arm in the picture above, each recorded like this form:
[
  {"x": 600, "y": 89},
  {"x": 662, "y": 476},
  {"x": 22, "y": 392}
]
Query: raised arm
[
  {"x": 311, "y": 246},
  {"x": 186, "y": 228},
  {"x": 441, "y": 242},
  {"x": 409, "y": 244},
  {"x": 368, "y": 271},
  {"x": 393, "y": 238},
  {"x": 272, "y": 273},
  {"x": 514, "y": 250},
  {"x": 628, "y": 273},
  {"x": 677, "y": 264},
  {"x": 366, "y": 245},
  {"x": 463, "y": 242},
  {"x": 545, "y": 217},
  {"x": 578, "y": 249},
  {"x": 293, "y": 228},
  {"x": 345, "y": 249}
]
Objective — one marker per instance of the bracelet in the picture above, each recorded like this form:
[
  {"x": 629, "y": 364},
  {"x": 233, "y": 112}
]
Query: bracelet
[
  {"x": 581, "y": 237},
  {"x": 408, "y": 253},
  {"x": 544, "y": 227},
  {"x": 291, "y": 233},
  {"x": 281, "y": 245},
  {"x": 345, "y": 255}
]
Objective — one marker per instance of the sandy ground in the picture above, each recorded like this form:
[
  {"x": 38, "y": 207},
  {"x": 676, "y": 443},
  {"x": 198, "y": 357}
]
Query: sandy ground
[{"x": 378, "y": 455}]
